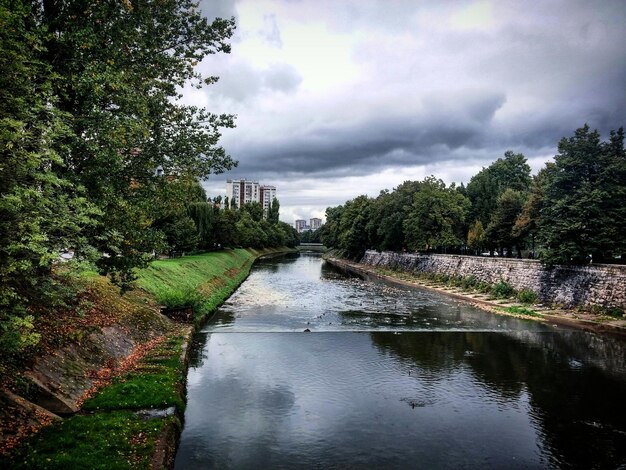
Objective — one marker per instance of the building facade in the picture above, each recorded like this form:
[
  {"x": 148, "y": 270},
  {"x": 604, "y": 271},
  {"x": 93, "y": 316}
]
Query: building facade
[
  {"x": 300, "y": 225},
  {"x": 240, "y": 192},
  {"x": 267, "y": 195},
  {"x": 315, "y": 223}
]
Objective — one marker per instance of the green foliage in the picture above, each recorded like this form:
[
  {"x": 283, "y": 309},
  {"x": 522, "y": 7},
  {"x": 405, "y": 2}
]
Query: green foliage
[
  {"x": 484, "y": 188},
  {"x": 527, "y": 296},
  {"x": 436, "y": 216},
  {"x": 254, "y": 210},
  {"x": 469, "y": 282},
  {"x": 206, "y": 219},
  {"x": 273, "y": 213},
  {"x": 502, "y": 290},
  {"x": 476, "y": 236},
  {"x": 585, "y": 199},
  {"x": 41, "y": 211},
  {"x": 500, "y": 230}
]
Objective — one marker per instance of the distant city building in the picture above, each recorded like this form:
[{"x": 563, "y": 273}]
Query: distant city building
[
  {"x": 315, "y": 223},
  {"x": 267, "y": 195},
  {"x": 240, "y": 192},
  {"x": 301, "y": 225}
]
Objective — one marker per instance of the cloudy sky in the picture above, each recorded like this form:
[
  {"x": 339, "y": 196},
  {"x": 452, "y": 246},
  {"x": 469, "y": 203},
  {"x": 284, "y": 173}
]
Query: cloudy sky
[{"x": 340, "y": 98}]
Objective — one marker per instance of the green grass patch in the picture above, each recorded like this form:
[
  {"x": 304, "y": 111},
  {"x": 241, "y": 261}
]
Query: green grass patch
[
  {"x": 117, "y": 440},
  {"x": 139, "y": 391},
  {"x": 201, "y": 281},
  {"x": 154, "y": 384},
  {"x": 521, "y": 311}
]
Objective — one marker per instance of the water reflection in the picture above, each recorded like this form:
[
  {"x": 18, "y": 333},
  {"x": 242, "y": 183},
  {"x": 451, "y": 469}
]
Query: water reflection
[{"x": 484, "y": 393}]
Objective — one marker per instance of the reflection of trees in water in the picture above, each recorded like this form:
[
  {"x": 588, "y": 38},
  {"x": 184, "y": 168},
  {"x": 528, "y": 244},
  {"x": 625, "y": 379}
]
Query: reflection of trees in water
[
  {"x": 576, "y": 404},
  {"x": 275, "y": 263},
  {"x": 196, "y": 349}
]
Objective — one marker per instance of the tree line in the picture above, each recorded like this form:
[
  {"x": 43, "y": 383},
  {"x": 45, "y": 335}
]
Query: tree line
[
  {"x": 89, "y": 109},
  {"x": 572, "y": 211}
]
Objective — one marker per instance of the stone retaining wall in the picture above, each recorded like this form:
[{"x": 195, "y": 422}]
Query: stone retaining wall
[{"x": 596, "y": 284}]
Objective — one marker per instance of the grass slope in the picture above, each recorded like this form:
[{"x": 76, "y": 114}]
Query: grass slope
[
  {"x": 112, "y": 435},
  {"x": 200, "y": 281}
]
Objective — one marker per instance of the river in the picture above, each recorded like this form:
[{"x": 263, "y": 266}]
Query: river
[{"x": 393, "y": 377}]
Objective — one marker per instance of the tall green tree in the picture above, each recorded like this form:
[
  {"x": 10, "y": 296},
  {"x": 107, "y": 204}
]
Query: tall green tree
[
  {"x": 484, "y": 188},
  {"x": 436, "y": 217},
  {"x": 120, "y": 65},
  {"x": 41, "y": 212},
  {"x": 500, "y": 230},
  {"x": 476, "y": 236},
  {"x": 273, "y": 212},
  {"x": 584, "y": 199}
]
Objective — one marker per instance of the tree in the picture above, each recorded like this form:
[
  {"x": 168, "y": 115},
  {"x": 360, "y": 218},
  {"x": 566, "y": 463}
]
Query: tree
[
  {"x": 484, "y": 188},
  {"x": 273, "y": 212},
  {"x": 436, "y": 216},
  {"x": 500, "y": 230},
  {"x": 205, "y": 217},
  {"x": 476, "y": 236},
  {"x": 254, "y": 209},
  {"x": 41, "y": 212},
  {"x": 585, "y": 196},
  {"x": 353, "y": 234},
  {"x": 119, "y": 67},
  {"x": 331, "y": 230},
  {"x": 388, "y": 212},
  {"x": 526, "y": 226}
]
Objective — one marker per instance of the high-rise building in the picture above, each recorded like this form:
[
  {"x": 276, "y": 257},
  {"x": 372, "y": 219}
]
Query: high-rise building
[
  {"x": 267, "y": 195},
  {"x": 315, "y": 223},
  {"x": 300, "y": 225},
  {"x": 240, "y": 192}
]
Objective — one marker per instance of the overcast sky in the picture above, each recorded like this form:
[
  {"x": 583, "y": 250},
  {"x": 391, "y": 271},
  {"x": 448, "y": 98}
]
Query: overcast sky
[{"x": 340, "y": 98}]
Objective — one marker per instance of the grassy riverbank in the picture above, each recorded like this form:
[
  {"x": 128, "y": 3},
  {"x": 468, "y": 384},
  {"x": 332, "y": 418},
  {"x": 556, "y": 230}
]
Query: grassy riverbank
[
  {"x": 201, "y": 281},
  {"x": 131, "y": 417}
]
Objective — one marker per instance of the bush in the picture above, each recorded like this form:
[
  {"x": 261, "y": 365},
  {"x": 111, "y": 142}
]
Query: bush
[
  {"x": 483, "y": 287},
  {"x": 469, "y": 282},
  {"x": 527, "y": 296},
  {"x": 502, "y": 290}
]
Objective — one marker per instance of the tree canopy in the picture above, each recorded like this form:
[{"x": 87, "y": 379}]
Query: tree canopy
[
  {"x": 89, "y": 110},
  {"x": 571, "y": 212}
]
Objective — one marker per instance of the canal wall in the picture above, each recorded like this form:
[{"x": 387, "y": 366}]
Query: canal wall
[{"x": 569, "y": 286}]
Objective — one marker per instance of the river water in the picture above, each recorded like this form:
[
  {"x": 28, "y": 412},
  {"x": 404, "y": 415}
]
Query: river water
[{"x": 393, "y": 377}]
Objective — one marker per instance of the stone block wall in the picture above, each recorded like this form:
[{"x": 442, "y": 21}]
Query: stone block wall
[{"x": 595, "y": 284}]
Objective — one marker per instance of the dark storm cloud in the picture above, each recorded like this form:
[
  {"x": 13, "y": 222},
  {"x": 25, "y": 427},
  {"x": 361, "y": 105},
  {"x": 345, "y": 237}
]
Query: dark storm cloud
[{"x": 418, "y": 84}]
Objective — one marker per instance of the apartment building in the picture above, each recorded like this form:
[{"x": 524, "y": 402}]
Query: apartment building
[
  {"x": 300, "y": 225},
  {"x": 240, "y": 192}
]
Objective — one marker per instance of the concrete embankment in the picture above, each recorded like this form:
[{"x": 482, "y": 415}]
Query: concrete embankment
[
  {"x": 118, "y": 376},
  {"x": 486, "y": 301},
  {"x": 592, "y": 285}
]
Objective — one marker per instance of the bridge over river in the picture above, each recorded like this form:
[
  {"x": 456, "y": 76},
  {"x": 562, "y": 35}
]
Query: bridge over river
[{"x": 317, "y": 247}]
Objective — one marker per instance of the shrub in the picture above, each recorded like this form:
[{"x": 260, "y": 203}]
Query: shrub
[
  {"x": 527, "y": 296},
  {"x": 483, "y": 287},
  {"x": 502, "y": 290},
  {"x": 469, "y": 282}
]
